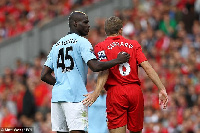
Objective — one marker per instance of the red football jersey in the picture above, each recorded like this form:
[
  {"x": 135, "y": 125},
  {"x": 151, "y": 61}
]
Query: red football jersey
[{"x": 125, "y": 73}]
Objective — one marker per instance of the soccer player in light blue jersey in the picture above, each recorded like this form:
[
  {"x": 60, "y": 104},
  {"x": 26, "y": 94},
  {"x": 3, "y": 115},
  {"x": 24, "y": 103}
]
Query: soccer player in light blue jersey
[{"x": 69, "y": 59}]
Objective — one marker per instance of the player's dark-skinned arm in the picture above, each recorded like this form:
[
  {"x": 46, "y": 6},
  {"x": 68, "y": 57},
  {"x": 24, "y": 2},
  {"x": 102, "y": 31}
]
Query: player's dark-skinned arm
[
  {"x": 46, "y": 76},
  {"x": 101, "y": 80},
  {"x": 97, "y": 66},
  {"x": 163, "y": 98}
]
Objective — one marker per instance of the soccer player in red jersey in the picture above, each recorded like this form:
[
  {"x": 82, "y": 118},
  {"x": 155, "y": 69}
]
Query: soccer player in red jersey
[{"x": 125, "y": 103}]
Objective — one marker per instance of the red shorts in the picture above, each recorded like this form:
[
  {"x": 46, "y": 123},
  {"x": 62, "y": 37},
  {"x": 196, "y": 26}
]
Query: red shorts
[{"x": 125, "y": 106}]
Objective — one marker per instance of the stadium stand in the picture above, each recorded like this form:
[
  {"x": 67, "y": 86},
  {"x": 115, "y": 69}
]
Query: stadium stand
[
  {"x": 21, "y": 16},
  {"x": 169, "y": 33}
]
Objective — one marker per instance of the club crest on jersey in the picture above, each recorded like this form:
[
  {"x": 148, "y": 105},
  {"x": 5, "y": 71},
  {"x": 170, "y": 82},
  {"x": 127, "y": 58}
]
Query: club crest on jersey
[{"x": 102, "y": 55}]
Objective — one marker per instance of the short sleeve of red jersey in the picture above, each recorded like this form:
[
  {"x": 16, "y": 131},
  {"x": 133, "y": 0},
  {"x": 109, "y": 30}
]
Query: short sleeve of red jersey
[
  {"x": 140, "y": 57},
  {"x": 100, "y": 53}
]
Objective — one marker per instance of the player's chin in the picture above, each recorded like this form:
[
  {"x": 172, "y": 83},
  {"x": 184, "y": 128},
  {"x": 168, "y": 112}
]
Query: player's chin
[{"x": 87, "y": 31}]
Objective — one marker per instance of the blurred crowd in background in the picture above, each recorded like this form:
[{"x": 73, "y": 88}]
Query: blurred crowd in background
[
  {"x": 169, "y": 33},
  {"x": 18, "y": 16}
]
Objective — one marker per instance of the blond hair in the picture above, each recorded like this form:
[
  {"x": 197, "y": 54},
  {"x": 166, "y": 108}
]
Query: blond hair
[{"x": 113, "y": 25}]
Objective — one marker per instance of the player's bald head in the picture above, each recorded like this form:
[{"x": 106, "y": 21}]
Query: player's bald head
[{"x": 76, "y": 16}]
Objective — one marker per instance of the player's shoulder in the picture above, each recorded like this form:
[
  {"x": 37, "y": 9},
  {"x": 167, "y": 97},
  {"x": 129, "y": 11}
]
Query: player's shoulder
[
  {"x": 133, "y": 42},
  {"x": 129, "y": 40},
  {"x": 82, "y": 39},
  {"x": 76, "y": 37},
  {"x": 101, "y": 44}
]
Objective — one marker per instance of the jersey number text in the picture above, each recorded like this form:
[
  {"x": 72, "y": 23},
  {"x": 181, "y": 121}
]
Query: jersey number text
[
  {"x": 67, "y": 57},
  {"x": 124, "y": 69}
]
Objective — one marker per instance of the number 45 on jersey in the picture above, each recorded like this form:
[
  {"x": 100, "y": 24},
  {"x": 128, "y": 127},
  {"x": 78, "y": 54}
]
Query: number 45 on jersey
[{"x": 63, "y": 57}]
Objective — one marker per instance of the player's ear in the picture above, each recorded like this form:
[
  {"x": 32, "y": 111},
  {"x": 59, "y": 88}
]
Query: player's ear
[
  {"x": 120, "y": 31},
  {"x": 75, "y": 23}
]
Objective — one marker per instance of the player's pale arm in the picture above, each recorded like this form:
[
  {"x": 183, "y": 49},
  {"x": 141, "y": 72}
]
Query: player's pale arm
[
  {"x": 163, "y": 98},
  {"x": 152, "y": 75},
  {"x": 101, "y": 80}
]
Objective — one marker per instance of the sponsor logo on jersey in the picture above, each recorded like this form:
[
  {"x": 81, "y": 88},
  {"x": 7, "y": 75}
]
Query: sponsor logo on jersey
[{"x": 102, "y": 55}]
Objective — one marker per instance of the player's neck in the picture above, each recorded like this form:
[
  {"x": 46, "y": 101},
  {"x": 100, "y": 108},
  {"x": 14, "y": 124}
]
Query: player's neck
[
  {"x": 114, "y": 35},
  {"x": 76, "y": 32},
  {"x": 73, "y": 30}
]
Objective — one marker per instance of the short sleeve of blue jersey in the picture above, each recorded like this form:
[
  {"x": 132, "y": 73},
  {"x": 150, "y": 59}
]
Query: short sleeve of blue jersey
[
  {"x": 49, "y": 61},
  {"x": 86, "y": 50}
]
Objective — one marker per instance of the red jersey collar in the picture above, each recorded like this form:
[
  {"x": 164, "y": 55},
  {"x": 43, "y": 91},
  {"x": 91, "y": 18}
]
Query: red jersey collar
[{"x": 114, "y": 37}]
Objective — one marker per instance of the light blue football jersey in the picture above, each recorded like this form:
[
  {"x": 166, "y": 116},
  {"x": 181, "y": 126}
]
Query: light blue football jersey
[{"x": 68, "y": 59}]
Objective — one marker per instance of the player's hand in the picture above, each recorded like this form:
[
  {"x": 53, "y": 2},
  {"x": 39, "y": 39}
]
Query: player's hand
[
  {"x": 163, "y": 98},
  {"x": 123, "y": 57},
  {"x": 90, "y": 99}
]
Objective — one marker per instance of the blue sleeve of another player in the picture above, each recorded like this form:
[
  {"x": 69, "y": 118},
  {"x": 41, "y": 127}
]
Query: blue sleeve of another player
[
  {"x": 86, "y": 50},
  {"x": 49, "y": 61}
]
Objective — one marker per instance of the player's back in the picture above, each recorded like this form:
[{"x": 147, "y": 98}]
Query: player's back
[
  {"x": 67, "y": 57},
  {"x": 125, "y": 73},
  {"x": 69, "y": 61}
]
